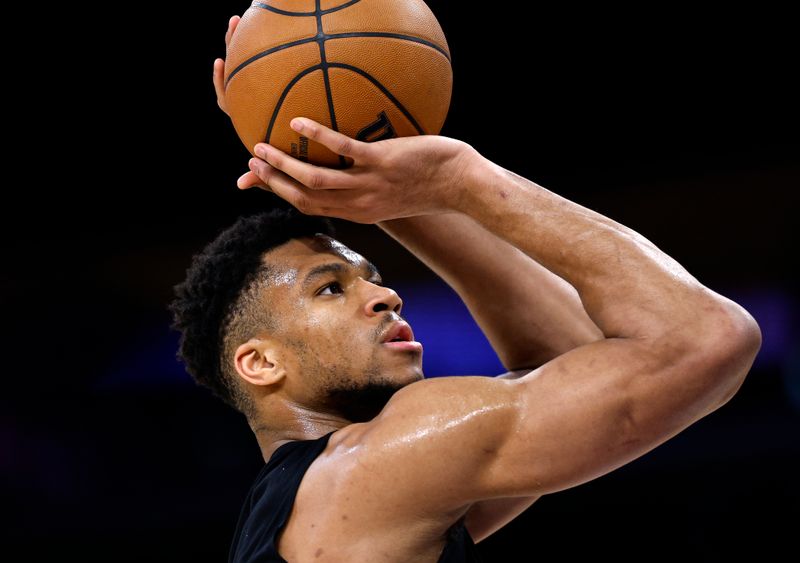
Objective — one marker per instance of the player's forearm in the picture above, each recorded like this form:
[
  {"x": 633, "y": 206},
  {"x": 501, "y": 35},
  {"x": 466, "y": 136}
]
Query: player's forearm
[
  {"x": 628, "y": 286},
  {"x": 528, "y": 314}
]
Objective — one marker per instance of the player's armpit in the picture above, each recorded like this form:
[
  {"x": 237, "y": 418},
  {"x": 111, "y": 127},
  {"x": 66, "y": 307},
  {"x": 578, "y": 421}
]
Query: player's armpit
[{"x": 486, "y": 517}]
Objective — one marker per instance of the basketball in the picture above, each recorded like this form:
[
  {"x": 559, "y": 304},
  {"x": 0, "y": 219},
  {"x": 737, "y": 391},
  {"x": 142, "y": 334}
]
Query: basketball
[{"x": 371, "y": 69}]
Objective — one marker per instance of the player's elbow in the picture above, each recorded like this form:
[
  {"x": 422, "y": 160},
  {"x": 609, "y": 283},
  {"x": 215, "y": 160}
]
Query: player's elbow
[{"x": 731, "y": 348}]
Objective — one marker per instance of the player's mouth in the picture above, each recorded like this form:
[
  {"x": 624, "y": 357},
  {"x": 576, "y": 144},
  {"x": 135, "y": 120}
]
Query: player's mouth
[{"x": 400, "y": 337}]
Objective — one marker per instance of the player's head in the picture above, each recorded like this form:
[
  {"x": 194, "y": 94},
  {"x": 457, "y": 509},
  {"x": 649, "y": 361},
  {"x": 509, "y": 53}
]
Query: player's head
[{"x": 276, "y": 309}]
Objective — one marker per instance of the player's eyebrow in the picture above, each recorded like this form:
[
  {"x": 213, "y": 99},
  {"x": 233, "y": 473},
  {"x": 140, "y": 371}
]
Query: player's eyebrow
[
  {"x": 372, "y": 271},
  {"x": 338, "y": 268}
]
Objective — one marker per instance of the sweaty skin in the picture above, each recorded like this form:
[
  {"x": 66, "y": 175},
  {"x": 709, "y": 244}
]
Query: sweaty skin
[
  {"x": 646, "y": 350},
  {"x": 331, "y": 329}
]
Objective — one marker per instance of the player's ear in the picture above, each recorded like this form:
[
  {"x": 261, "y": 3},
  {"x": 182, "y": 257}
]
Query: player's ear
[{"x": 257, "y": 362}]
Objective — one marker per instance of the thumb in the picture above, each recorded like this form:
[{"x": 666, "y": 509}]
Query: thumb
[{"x": 250, "y": 180}]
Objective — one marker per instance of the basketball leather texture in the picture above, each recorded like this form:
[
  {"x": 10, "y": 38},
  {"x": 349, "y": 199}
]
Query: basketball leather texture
[{"x": 372, "y": 69}]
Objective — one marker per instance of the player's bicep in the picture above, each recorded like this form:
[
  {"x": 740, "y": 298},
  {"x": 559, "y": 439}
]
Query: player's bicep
[
  {"x": 595, "y": 409},
  {"x": 443, "y": 444}
]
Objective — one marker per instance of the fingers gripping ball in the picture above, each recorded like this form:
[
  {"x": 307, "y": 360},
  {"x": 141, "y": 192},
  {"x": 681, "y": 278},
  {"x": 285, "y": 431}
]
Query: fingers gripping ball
[{"x": 371, "y": 69}]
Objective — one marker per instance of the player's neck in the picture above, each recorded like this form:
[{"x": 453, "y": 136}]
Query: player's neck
[{"x": 304, "y": 425}]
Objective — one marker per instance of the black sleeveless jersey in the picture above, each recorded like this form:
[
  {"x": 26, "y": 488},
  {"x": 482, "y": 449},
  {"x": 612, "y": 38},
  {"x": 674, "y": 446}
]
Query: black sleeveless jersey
[{"x": 269, "y": 502}]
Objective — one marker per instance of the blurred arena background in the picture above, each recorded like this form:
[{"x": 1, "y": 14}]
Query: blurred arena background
[{"x": 683, "y": 126}]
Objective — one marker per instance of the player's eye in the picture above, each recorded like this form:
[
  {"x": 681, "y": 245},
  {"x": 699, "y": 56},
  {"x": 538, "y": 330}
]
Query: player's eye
[{"x": 331, "y": 289}]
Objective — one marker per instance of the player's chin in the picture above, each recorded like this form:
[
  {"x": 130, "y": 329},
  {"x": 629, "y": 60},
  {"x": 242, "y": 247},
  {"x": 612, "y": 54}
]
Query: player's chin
[
  {"x": 407, "y": 358},
  {"x": 414, "y": 373},
  {"x": 403, "y": 359},
  {"x": 404, "y": 370}
]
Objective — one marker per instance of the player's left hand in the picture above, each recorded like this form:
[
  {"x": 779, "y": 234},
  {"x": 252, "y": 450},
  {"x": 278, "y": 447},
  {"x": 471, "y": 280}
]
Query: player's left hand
[
  {"x": 389, "y": 179},
  {"x": 218, "y": 75}
]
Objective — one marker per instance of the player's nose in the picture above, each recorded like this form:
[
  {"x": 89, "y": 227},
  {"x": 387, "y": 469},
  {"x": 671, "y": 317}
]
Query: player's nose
[{"x": 382, "y": 299}]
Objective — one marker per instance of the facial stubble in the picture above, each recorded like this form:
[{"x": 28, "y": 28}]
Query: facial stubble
[{"x": 357, "y": 398}]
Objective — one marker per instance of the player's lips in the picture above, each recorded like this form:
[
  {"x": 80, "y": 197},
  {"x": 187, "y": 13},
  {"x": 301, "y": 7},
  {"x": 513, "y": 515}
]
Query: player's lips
[
  {"x": 400, "y": 337},
  {"x": 399, "y": 331}
]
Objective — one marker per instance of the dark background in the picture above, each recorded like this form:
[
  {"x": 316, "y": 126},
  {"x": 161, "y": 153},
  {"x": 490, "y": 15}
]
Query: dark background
[{"x": 683, "y": 126}]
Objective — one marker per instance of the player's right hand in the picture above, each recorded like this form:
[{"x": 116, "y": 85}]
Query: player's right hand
[{"x": 389, "y": 179}]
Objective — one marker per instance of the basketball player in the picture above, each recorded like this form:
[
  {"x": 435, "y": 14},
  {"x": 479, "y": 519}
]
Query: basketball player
[{"x": 612, "y": 348}]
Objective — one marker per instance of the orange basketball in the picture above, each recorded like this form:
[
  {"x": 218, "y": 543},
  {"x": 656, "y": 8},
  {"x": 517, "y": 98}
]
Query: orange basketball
[{"x": 372, "y": 69}]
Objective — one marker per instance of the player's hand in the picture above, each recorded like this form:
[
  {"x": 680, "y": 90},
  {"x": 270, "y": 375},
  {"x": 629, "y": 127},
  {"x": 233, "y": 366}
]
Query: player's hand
[
  {"x": 219, "y": 65},
  {"x": 389, "y": 179}
]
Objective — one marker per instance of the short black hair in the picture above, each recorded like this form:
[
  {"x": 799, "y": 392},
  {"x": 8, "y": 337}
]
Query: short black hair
[{"x": 217, "y": 296}]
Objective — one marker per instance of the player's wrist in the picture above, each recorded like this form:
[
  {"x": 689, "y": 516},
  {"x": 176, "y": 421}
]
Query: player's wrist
[{"x": 480, "y": 182}]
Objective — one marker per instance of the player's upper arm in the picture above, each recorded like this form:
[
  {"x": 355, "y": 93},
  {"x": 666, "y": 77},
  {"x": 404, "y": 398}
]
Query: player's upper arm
[{"x": 443, "y": 444}]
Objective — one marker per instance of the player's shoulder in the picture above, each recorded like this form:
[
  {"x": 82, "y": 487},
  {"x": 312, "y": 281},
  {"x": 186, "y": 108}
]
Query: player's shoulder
[
  {"x": 383, "y": 483},
  {"x": 414, "y": 469},
  {"x": 428, "y": 426}
]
